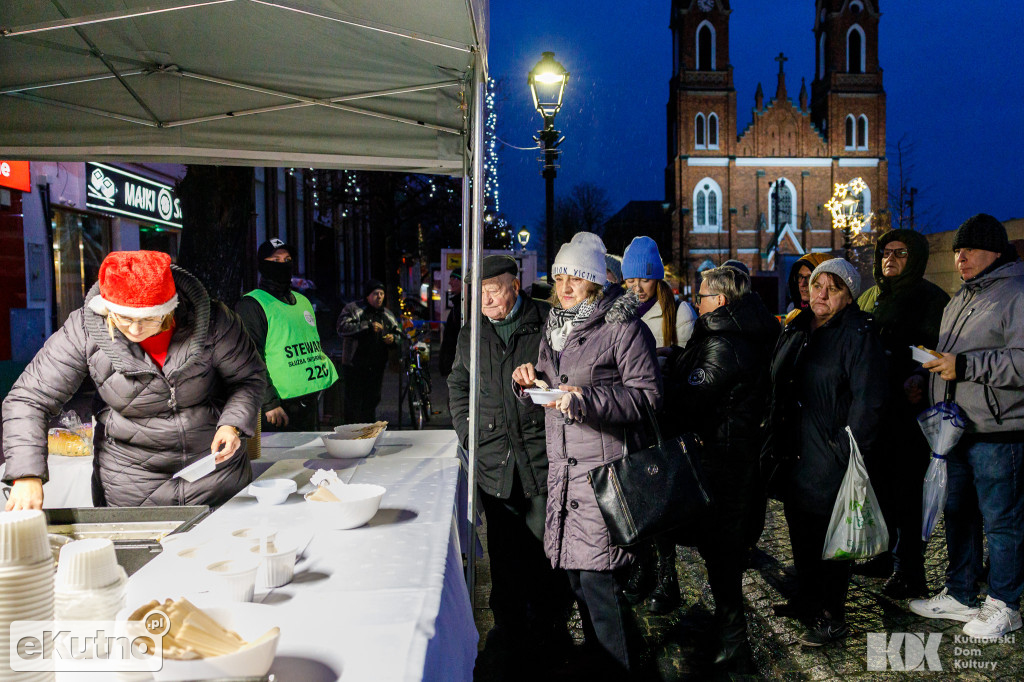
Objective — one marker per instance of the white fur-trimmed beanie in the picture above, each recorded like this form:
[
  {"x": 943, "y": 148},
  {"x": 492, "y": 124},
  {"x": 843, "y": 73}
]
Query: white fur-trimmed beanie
[
  {"x": 582, "y": 257},
  {"x": 135, "y": 284}
]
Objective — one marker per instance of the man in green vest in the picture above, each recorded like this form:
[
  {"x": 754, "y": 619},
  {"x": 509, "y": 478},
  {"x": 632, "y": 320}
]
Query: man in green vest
[{"x": 282, "y": 324}]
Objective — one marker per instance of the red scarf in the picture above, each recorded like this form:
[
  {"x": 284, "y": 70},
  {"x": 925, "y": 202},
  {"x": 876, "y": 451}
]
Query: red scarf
[{"x": 156, "y": 346}]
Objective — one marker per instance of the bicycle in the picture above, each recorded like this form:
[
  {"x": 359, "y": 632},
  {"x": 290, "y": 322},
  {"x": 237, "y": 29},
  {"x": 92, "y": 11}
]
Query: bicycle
[{"x": 415, "y": 358}]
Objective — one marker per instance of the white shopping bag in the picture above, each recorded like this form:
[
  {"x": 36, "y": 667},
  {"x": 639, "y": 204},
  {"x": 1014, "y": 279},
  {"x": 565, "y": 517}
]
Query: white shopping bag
[{"x": 856, "y": 530}]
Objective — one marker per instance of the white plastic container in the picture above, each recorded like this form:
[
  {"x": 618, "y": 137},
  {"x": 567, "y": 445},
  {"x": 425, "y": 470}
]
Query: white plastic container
[
  {"x": 272, "y": 490},
  {"x": 23, "y": 537},
  {"x": 235, "y": 579},
  {"x": 88, "y": 564},
  {"x": 251, "y": 536},
  {"x": 277, "y": 563}
]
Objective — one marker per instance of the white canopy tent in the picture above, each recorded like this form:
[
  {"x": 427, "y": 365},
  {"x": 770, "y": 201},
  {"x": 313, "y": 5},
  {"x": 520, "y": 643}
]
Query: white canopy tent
[{"x": 355, "y": 84}]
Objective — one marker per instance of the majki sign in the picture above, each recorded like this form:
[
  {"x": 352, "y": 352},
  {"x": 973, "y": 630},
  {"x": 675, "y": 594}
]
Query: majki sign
[{"x": 113, "y": 190}]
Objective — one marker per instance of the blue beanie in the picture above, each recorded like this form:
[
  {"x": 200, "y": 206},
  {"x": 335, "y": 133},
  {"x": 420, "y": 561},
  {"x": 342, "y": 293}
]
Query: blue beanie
[{"x": 642, "y": 260}]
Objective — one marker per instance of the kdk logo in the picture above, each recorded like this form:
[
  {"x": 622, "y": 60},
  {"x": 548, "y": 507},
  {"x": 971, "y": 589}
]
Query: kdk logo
[{"x": 920, "y": 651}]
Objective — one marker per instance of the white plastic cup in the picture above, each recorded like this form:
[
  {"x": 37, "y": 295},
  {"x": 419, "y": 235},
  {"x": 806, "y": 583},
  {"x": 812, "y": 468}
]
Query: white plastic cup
[
  {"x": 23, "y": 537},
  {"x": 251, "y": 537},
  {"x": 87, "y": 564},
  {"x": 277, "y": 563},
  {"x": 235, "y": 577}
]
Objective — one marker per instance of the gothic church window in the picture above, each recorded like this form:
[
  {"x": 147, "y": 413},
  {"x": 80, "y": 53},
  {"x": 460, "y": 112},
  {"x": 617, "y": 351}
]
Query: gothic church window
[
  {"x": 705, "y": 47},
  {"x": 707, "y": 206},
  {"x": 851, "y": 132},
  {"x": 700, "y": 212},
  {"x": 855, "y": 52},
  {"x": 862, "y": 132},
  {"x": 700, "y": 132},
  {"x": 713, "y": 131},
  {"x": 786, "y": 210}
]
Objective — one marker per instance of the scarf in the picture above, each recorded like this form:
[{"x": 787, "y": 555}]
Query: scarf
[{"x": 562, "y": 320}]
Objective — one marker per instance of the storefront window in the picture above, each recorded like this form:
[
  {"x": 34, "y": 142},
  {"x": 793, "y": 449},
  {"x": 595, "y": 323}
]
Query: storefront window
[
  {"x": 159, "y": 239},
  {"x": 80, "y": 242}
]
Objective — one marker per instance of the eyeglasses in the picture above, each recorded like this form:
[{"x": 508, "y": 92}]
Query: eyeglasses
[
  {"x": 698, "y": 297},
  {"x": 899, "y": 253},
  {"x": 803, "y": 279},
  {"x": 141, "y": 321}
]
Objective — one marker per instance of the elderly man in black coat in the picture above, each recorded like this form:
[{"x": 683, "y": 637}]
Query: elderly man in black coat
[
  {"x": 718, "y": 387},
  {"x": 529, "y": 598}
]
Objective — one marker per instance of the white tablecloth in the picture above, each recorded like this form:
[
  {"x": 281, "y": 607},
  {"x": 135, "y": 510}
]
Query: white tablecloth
[
  {"x": 386, "y": 601},
  {"x": 70, "y": 483}
]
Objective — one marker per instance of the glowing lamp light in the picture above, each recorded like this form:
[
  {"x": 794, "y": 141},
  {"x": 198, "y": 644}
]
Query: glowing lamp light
[
  {"x": 547, "y": 85},
  {"x": 845, "y": 206},
  {"x": 524, "y": 237}
]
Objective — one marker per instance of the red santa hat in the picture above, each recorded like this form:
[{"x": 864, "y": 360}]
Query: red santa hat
[{"x": 136, "y": 284}]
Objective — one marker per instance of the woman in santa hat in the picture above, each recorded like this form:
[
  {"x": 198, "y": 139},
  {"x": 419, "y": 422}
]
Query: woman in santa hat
[{"x": 177, "y": 376}]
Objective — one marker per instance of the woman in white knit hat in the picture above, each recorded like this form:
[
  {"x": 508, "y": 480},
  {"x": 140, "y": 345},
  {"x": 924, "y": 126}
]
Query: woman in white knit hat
[{"x": 596, "y": 349}]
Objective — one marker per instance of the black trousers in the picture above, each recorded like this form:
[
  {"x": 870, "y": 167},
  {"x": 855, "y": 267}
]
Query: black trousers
[
  {"x": 822, "y": 585},
  {"x": 362, "y": 392},
  {"x": 607, "y": 621},
  {"x": 530, "y": 600},
  {"x": 303, "y": 414}
]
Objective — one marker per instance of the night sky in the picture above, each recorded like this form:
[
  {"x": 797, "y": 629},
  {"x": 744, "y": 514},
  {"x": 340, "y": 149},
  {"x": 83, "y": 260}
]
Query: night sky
[{"x": 952, "y": 75}]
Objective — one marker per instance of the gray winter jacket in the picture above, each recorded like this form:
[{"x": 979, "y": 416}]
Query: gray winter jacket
[
  {"x": 155, "y": 422},
  {"x": 984, "y": 326},
  {"x": 610, "y": 356}
]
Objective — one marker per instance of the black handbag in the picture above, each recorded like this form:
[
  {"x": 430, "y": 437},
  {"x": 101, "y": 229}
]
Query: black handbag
[{"x": 654, "y": 490}]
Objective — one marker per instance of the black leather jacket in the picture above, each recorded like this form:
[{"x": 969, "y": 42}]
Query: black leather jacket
[{"x": 717, "y": 386}]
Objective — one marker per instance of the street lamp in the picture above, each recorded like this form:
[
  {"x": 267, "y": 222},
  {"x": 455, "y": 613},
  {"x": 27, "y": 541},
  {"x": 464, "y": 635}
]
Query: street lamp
[
  {"x": 524, "y": 237},
  {"x": 846, "y": 207},
  {"x": 547, "y": 86}
]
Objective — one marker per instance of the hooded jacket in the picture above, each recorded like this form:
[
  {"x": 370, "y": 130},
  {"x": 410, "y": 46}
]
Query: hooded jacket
[
  {"x": 811, "y": 260},
  {"x": 155, "y": 422},
  {"x": 511, "y": 432},
  {"x": 360, "y": 345},
  {"x": 983, "y": 325},
  {"x": 610, "y": 356},
  {"x": 823, "y": 381}
]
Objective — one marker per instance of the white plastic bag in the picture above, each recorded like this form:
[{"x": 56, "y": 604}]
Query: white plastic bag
[
  {"x": 935, "y": 492},
  {"x": 942, "y": 425},
  {"x": 856, "y": 530}
]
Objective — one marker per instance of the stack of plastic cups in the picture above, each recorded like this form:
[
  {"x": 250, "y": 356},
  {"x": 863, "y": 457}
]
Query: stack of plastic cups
[
  {"x": 90, "y": 583},
  {"x": 26, "y": 582}
]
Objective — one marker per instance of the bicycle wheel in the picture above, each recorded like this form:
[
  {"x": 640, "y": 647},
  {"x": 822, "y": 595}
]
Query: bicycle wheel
[{"x": 417, "y": 410}]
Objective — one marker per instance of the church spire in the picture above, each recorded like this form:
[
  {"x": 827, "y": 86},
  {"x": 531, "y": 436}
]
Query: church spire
[
  {"x": 780, "y": 91},
  {"x": 803, "y": 94},
  {"x": 759, "y": 98}
]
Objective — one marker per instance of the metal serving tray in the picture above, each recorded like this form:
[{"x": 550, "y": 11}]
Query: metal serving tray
[{"x": 135, "y": 531}]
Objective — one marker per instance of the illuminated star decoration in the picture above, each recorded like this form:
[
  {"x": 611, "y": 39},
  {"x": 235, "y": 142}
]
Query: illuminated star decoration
[{"x": 846, "y": 206}]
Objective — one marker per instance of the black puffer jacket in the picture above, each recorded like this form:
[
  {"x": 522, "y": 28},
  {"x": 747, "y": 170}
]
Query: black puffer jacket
[
  {"x": 718, "y": 385},
  {"x": 822, "y": 382},
  {"x": 156, "y": 422},
  {"x": 511, "y": 432}
]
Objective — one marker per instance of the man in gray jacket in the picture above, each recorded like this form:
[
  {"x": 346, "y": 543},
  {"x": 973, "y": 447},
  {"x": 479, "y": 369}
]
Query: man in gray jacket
[
  {"x": 981, "y": 341},
  {"x": 528, "y": 597}
]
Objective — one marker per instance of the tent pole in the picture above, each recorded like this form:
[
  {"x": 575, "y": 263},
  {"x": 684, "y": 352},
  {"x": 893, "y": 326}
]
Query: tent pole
[{"x": 477, "y": 128}]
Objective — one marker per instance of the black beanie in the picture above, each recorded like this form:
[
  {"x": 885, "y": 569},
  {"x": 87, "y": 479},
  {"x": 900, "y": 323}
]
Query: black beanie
[
  {"x": 982, "y": 231},
  {"x": 371, "y": 286}
]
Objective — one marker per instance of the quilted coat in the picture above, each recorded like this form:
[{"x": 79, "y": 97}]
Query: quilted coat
[
  {"x": 154, "y": 422},
  {"x": 610, "y": 356}
]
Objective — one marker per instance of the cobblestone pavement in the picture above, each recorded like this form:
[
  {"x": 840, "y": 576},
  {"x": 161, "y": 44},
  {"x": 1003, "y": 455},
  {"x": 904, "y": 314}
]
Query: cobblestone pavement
[{"x": 681, "y": 642}]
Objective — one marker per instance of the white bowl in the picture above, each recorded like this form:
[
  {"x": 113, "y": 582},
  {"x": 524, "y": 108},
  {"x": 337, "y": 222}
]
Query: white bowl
[
  {"x": 272, "y": 490},
  {"x": 542, "y": 396},
  {"x": 343, "y": 443},
  {"x": 358, "y": 502},
  {"x": 250, "y": 621},
  {"x": 235, "y": 579}
]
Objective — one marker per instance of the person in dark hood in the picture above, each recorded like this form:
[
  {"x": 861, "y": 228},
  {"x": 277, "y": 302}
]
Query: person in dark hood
[
  {"x": 718, "y": 387},
  {"x": 282, "y": 325},
  {"x": 449, "y": 341},
  {"x": 799, "y": 282},
  {"x": 907, "y": 310},
  {"x": 368, "y": 331}
]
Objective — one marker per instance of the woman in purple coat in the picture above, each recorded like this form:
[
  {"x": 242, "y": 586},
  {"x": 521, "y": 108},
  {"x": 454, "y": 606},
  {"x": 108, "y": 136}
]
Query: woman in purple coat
[{"x": 596, "y": 348}]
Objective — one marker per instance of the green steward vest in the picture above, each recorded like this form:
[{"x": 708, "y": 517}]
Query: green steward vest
[{"x": 295, "y": 361}]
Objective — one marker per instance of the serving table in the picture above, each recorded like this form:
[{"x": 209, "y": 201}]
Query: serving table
[{"x": 386, "y": 601}]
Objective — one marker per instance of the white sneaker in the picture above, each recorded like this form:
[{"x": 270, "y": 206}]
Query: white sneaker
[
  {"x": 944, "y": 606},
  {"x": 994, "y": 620}
]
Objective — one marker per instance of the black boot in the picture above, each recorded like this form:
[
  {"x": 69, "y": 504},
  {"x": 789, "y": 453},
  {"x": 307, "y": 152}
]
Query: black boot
[
  {"x": 665, "y": 596},
  {"x": 733, "y": 653},
  {"x": 641, "y": 576}
]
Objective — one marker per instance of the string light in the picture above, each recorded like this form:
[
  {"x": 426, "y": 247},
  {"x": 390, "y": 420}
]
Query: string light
[{"x": 846, "y": 206}]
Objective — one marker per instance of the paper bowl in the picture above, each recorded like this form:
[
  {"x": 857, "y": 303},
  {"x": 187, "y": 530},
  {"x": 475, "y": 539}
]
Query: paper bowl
[
  {"x": 87, "y": 564},
  {"x": 248, "y": 620},
  {"x": 541, "y": 396},
  {"x": 343, "y": 443},
  {"x": 235, "y": 579},
  {"x": 358, "y": 504},
  {"x": 272, "y": 491},
  {"x": 23, "y": 537}
]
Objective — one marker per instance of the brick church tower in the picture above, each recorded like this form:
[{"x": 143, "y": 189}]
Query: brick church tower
[{"x": 758, "y": 195}]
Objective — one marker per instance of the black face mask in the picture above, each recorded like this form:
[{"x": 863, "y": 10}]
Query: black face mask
[{"x": 278, "y": 273}]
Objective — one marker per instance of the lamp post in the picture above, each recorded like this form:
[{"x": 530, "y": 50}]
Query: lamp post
[
  {"x": 547, "y": 86},
  {"x": 847, "y": 212},
  {"x": 524, "y": 238}
]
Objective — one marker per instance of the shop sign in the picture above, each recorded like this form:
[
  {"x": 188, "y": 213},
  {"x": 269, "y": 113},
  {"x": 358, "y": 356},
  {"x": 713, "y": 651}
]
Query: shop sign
[
  {"x": 15, "y": 174},
  {"x": 112, "y": 190}
]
